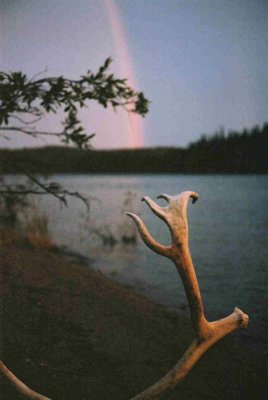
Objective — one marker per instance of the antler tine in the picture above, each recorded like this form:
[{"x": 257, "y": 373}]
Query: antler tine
[
  {"x": 165, "y": 197},
  {"x": 156, "y": 209},
  {"x": 148, "y": 239}
]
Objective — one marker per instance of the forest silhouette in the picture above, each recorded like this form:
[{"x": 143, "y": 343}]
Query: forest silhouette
[{"x": 243, "y": 152}]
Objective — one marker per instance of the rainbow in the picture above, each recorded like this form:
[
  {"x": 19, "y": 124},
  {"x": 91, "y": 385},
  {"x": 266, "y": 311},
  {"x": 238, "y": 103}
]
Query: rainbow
[{"x": 134, "y": 123}]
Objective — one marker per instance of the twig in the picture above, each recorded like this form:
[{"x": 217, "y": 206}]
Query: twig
[
  {"x": 59, "y": 193},
  {"x": 31, "y": 132},
  {"x": 23, "y": 121}
]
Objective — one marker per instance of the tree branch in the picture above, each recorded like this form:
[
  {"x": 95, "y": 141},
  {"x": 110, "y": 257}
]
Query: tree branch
[
  {"x": 30, "y": 131},
  {"x": 56, "y": 191},
  {"x": 52, "y": 189}
]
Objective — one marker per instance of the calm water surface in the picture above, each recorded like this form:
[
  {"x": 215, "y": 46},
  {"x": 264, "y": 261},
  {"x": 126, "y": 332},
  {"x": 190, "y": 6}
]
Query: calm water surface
[{"x": 227, "y": 229}]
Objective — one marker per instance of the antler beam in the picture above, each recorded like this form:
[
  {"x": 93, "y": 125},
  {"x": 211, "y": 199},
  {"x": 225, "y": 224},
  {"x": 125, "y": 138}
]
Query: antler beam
[
  {"x": 22, "y": 390},
  {"x": 174, "y": 214}
]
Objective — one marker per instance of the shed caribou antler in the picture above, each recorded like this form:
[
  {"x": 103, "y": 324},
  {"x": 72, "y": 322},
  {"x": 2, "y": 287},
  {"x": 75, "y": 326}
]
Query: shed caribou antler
[{"x": 206, "y": 333}]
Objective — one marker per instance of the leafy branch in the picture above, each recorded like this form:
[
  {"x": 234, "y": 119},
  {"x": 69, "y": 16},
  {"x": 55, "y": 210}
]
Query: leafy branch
[
  {"x": 29, "y": 100},
  {"x": 24, "y": 102}
]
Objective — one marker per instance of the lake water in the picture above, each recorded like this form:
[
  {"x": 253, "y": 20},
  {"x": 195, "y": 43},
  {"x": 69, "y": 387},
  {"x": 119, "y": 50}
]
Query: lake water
[{"x": 227, "y": 231}]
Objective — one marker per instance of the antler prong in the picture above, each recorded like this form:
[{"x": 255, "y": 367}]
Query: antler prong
[
  {"x": 148, "y": 239},
  {"x": 156, "y": 209},
  {"x": 165, "y": 197}
]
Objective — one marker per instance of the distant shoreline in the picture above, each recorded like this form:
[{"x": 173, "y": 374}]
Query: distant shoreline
[{"x": 237, "y": 153}]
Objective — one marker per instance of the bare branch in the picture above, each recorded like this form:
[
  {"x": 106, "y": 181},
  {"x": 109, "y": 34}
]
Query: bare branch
[
  {"x": 38, "y": 74},
  {"x": 57, "y": 192},
  {"x": 51, "y": 189},
  {"x": 4, "y": 136},
  {"x": 23, "y": 121},
  {"x": 22, "y": 192},
  {"x": 31, "y": 132}
]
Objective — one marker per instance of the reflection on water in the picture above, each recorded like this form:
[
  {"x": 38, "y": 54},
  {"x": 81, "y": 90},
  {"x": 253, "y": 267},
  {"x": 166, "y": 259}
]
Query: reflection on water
[{"x": 228, "y": 238}]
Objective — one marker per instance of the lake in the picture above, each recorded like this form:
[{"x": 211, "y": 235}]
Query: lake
[{"x": 227, "y": 232}]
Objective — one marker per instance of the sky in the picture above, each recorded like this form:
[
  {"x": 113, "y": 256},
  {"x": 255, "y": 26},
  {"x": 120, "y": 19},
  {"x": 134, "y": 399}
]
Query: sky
[{"x": 202, "y": 63}]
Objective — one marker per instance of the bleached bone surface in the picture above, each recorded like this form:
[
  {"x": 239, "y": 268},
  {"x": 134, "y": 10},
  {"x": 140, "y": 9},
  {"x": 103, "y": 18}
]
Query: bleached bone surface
[
  {"x": 174, "y": 214},
  {"x": 23, "y": 390}
]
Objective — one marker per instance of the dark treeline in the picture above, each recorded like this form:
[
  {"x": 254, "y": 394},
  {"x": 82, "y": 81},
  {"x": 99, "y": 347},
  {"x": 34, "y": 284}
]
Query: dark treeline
[
  {"x": 245, "y": 152},
  {"x": 71, "y": 160}
]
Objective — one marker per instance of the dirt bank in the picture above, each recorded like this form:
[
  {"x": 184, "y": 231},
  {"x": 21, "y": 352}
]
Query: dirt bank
[{"x": 70, "y": 333}]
